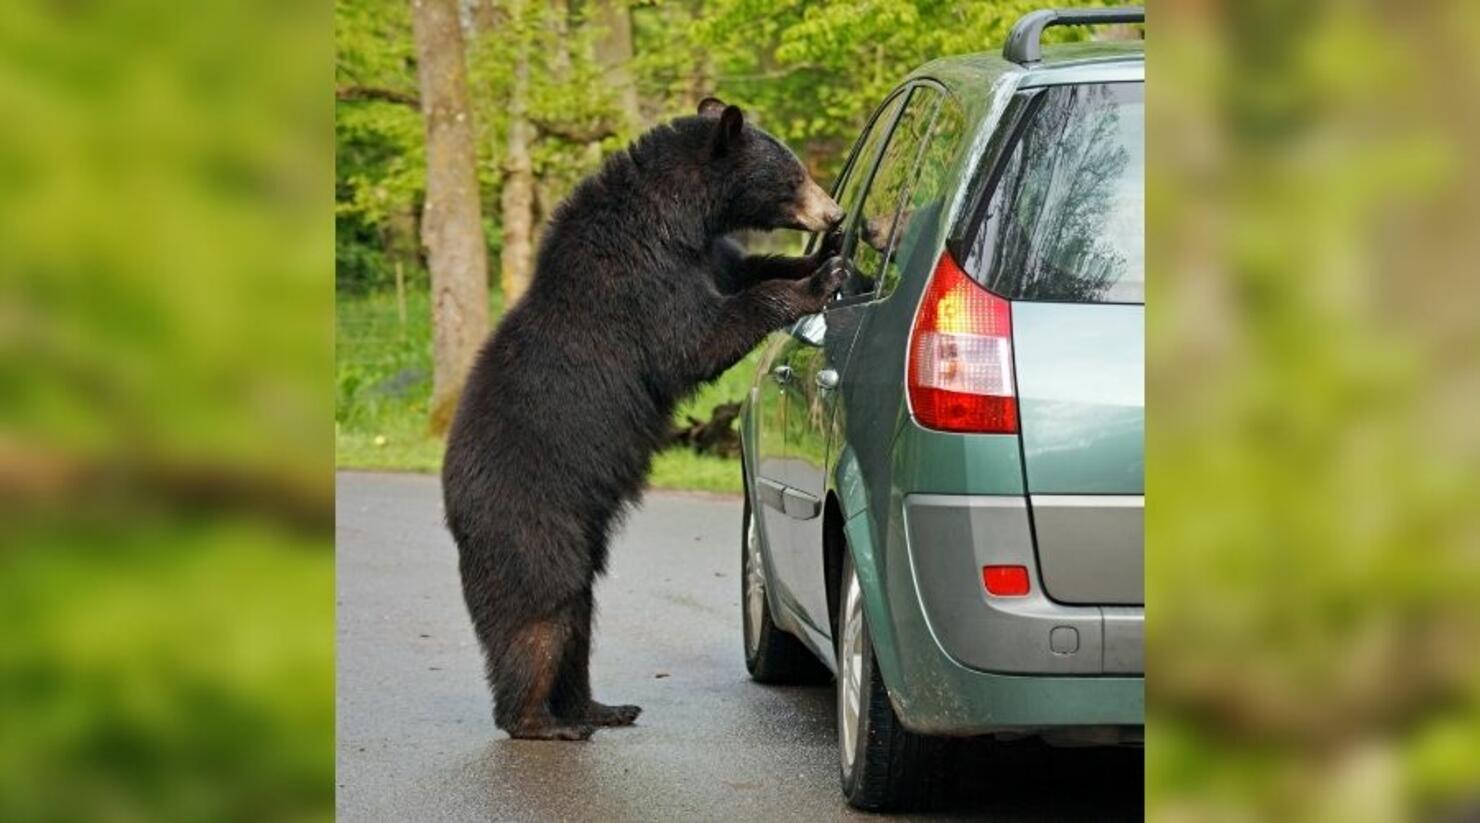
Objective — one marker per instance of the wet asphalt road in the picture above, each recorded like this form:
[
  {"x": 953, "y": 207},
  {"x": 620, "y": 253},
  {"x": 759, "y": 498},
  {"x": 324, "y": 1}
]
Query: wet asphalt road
[{"x": 416, "y": 740}]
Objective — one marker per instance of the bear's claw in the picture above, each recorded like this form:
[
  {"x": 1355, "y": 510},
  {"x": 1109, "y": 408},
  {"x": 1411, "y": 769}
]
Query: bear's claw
[{"x": 824, "y": 283}]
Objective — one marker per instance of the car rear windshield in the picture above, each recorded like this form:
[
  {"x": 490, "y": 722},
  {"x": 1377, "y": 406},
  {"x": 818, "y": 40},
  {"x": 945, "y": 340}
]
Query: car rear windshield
[{"x": 1063, "y": 220}]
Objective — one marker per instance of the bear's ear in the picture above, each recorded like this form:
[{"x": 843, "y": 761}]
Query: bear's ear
[
  {"x": 731, "y": 129},
  {"x": 711, "y": 107}
]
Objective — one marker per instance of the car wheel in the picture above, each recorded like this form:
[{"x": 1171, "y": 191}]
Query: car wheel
[
  {"x": 771, "y": 655},
  {"x": 883, "y": 765}
]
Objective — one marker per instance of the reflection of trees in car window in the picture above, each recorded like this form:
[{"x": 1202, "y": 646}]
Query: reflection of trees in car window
[
  {"x": 857, "y": 173},
  {"x": 1065, "y": 219},
  {"x": 881, "y": 203},
  {"x": 923, "y": 197}
]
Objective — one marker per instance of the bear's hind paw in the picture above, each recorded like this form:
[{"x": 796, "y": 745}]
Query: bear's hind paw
[
  {"x": 604, "y": 715},
  {"x": 553, "y": 731}
]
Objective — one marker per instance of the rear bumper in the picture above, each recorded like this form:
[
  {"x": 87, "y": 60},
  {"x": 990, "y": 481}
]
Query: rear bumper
[
  {"x": 950, "y": 538},
  {"x": 973, "y": 664}
]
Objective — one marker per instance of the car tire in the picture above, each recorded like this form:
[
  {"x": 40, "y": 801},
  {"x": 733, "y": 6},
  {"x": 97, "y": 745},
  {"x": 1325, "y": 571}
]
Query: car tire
[
  {"x": 771, "y": 654},
  {"x": 883, "y": 765}
]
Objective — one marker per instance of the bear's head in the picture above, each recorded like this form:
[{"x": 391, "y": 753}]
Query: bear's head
[{"x": 762, "y": 185}]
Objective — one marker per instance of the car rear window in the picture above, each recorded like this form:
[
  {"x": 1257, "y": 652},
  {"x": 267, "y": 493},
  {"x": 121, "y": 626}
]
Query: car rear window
[{"x": 1064, "y": 219}]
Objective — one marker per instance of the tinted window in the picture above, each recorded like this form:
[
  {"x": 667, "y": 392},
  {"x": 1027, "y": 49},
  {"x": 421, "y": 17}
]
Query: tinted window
[
  {"x": 1065, "y": 218},
  {"x": 922, "y": 200},
  {"x": 856, "y": 175},
  {"x": 874, "y": 224}
]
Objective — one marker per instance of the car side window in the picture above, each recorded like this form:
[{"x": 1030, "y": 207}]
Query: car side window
[
  {"x": 923, "y": 198},
  {"x": 856, "y": 175},
  {"x": 873, "y": 225}
]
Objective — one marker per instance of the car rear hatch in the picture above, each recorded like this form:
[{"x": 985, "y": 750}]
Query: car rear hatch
[
  {"x": 1057, "y": 229},
  {"x": 1080, "y": 378}
]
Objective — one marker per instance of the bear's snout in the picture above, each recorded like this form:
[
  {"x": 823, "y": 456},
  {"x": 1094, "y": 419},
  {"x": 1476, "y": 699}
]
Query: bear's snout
[{"x": 816, "y": 211}]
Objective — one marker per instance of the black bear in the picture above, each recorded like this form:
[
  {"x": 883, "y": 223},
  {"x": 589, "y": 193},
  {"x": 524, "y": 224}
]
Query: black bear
[{"x": 638, "y": 297}]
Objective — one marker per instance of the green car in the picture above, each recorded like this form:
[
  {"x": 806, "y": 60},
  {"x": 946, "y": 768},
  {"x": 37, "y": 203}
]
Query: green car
[{"x": 944, "y": 470}]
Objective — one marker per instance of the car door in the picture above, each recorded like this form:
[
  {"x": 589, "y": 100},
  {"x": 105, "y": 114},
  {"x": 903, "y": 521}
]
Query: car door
[
  {"x": 776, "y": 473},
  {"x": 766, "y": 448},
  {"x": 818, "y": 358}
]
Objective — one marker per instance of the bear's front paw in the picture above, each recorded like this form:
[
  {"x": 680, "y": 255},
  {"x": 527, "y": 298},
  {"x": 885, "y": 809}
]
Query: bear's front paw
[
  {"x": 830, "y": 245},
  {"x": 823, "y": 284}
]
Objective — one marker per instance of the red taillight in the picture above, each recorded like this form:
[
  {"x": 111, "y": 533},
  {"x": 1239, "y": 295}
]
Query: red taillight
[
  {"x": 1005, "y": 581},
  {"x": 960, "y": 363}
]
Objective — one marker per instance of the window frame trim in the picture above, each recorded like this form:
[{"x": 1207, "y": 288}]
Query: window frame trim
[
  {"x": 848, "y": 165},
  {"x": 850, "y": 235},
  {"x": 907, "y": 194}
]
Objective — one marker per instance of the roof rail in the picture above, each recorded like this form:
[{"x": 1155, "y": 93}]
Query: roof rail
[{"x": 1022, "y": 46}]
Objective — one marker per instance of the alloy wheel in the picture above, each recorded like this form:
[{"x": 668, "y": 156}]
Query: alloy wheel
[
  {"x": 755, "y": 588},
  {"x": 850, "y": 671}
]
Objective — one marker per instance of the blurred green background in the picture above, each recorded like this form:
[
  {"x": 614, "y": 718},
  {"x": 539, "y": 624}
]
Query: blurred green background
[
  {"x": 166, "y": 378},
  {"x": 1313, "y": 527}
]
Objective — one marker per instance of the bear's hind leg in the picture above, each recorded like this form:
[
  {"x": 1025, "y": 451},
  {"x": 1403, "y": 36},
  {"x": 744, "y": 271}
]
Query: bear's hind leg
[
  {"x": 525, "y": 678},
  {"x": 571, "y": 700}
]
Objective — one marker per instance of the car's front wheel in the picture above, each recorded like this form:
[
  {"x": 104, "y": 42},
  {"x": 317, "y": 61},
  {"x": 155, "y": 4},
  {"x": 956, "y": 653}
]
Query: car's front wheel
[
  {"x": 771, "y": 655},
  {"x": 883, "y": 764}
]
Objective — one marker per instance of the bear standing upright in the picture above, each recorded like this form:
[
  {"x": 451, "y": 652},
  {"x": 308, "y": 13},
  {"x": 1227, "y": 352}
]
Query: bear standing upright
[{"x": 638, "y": 297}]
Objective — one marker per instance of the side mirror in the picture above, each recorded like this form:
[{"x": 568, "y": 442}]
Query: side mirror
[{"x": 811, "y": 329}]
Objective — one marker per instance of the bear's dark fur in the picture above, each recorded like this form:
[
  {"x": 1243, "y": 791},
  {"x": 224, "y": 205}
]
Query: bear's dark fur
[{"x": 638, "y": 297}]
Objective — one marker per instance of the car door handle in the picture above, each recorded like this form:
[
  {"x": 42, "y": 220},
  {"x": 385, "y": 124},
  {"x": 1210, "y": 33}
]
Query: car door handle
[
  {"x": 827, "y": 379},
  {"x": 772, "y": 494},
  {"x": 782, "y": 373},
  {"x": 800, "y": 505}
]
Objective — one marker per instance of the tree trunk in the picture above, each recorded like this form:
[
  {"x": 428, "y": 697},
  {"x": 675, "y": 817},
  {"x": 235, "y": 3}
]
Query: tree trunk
[
  {"x": 700, "y": 84},
  {"x": 452, "y": 225},
  {"x": 484, "y": 17},
  {"x": 700, "y": 80},
  {"x": 556, "y": 50},
  {"x": 400, "y": 236},
  {"x": 516, "y": 202},
  {"x": 559, "y": 33},
  {"x": 614, "y": 53}
]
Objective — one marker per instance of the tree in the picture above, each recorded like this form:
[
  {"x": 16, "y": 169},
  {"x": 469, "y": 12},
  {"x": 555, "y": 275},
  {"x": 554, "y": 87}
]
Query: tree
[
  {"x": 614, "y": 53},
  {"x": 452, "y": 222},
  {"x": 516, "y": 201}
]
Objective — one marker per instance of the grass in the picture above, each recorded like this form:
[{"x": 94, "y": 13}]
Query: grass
[{"x": 383, "y": 383}]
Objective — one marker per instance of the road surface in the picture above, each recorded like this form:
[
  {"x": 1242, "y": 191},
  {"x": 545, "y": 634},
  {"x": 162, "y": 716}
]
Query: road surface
[{"x": 416, "y": 741}]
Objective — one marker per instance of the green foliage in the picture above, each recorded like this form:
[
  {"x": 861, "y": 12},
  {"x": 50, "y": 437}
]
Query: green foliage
[
  {"x": 379, "y": 159},
  {"x": 812, "y": 72},
  {"x": 380, "y": 162}
]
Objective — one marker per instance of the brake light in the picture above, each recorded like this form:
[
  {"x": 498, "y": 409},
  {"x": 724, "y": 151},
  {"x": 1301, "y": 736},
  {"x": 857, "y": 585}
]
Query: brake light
[
  {"x": 1005, "y": 581},
  {"x": 960, "y": 361}
]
